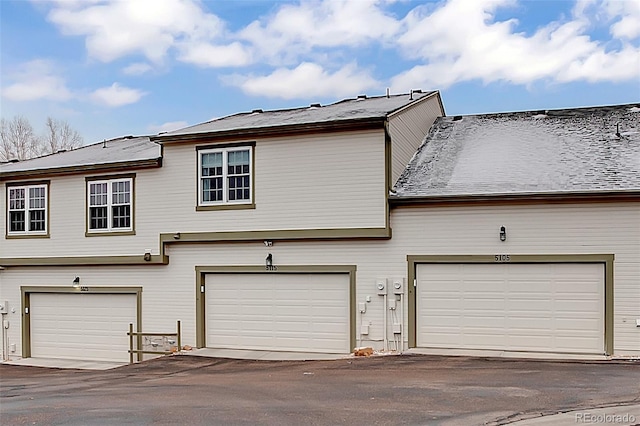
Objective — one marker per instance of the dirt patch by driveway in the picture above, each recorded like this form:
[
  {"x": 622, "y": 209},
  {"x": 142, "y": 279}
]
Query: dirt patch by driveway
[{"x": 411, "y": 389}]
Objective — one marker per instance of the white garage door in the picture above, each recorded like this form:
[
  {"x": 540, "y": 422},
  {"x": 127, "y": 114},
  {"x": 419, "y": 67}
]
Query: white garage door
[
  {"x": 514, "y": 307},
  {"x": 285, "y": 312},
  {"x": 81, "y": 326}
]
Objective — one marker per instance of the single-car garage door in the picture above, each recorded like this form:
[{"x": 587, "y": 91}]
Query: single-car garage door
[
  {"x": 514, "y": 307},
  {"x": 276, "y": 311},
  {"x": 81, "y": 326}
]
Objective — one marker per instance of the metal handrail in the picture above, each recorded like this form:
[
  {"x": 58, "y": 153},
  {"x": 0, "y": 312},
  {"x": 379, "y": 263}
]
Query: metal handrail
[{"x": 139, "y": 334}]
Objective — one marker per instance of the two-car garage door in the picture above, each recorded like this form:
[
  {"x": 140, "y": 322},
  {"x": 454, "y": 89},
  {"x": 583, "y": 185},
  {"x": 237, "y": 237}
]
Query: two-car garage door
[
  {"x": 553, "y": 307},
  {"x": 278, "y": 312}
]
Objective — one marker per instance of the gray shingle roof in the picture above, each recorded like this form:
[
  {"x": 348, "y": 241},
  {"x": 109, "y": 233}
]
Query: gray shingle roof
[
  {"x": 348, "y": 109},
  {"x": 122, "y": 150},
  {"x": 569, "y": 150}
]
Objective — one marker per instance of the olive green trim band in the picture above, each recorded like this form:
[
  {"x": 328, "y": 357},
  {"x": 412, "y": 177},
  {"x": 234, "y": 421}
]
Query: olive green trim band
[
  {"x": 26, "y": 292},
  {"x": 277, "y": 235},
  {"x": 202, "y": 237},
  {"x": 606, "y": 259},
  {"x": 202, "y": 271},
  {"x": 108, "y": 234},
  {"x": 226, "y": 207},
  {"x": 533, "y": 198},
  {"x": 26, "y": 236},
  {"x": 74, "y": 170},
  {"x": 85, "y": 261}
]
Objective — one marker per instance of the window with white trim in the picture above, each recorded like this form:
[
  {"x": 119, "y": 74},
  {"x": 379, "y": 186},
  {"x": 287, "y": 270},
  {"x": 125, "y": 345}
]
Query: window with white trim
[
  {"x": 27, "y": 209},
  {"x": 110, "y": 205},
  {"x": 224, "y": 176}
]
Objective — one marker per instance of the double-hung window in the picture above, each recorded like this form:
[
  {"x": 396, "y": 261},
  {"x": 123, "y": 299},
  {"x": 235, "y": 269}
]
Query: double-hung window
[
  {"x": 224, "y": 176},
  {"x": 110, "y": 205},
  {"x": 27, "y": 207}
]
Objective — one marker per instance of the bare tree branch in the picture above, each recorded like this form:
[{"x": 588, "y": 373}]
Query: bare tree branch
[
  {"x": 59, "y": 136},
  {"x": 19, "y": 142}
]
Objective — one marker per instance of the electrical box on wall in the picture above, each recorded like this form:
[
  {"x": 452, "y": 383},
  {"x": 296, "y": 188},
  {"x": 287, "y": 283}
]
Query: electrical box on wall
[
  {"x": 381, "y": 286},
  {"x": 397, "y": 285}
]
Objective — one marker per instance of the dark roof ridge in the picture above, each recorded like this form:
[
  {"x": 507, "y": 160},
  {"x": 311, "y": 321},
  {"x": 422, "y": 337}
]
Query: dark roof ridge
[
  {"x": 553, "y": 112},
  {"x": 358, "y": 98}
]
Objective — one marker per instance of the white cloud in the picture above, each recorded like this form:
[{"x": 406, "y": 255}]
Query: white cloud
[
  {"x": 314, "y": 42},
  {"x": 116, "y": 95},
  {"x": 208, "y": 55},
  {"x": 479, "y": 48},
  {"x": 296, "y": 29},
  {"x": 114, "y": 29},
  {"x": 137, "y": 68},
  {"x": 168, "y": 126},
  {"x": 627, "y": 17},
  {"x": 36, "y": 80},
  {"x": 307, "y": 80}
]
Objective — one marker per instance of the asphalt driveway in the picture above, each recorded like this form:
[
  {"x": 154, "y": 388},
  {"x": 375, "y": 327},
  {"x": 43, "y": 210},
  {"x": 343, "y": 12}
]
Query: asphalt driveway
[{"x": 407, "y": 389}]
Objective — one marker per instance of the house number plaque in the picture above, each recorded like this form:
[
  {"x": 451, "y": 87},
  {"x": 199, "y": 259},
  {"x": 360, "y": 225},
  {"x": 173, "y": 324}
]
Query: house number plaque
[{"x": 503, "y": 258}]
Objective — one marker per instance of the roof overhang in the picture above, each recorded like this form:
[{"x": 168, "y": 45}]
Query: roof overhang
[
  {"x": 85, "y": 168},
  {"x": 274, "y": 131},
  {"x": 518, "y": 198}
]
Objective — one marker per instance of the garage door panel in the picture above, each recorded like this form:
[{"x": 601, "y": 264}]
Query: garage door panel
[
  {"x": 291, "y": 312},
  {"x": 541, "y": 307},
  {"x": 81, "y": 326}
]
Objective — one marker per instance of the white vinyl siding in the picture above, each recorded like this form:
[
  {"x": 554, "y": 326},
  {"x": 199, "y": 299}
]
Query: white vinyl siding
[
  {"x": 339, "y": 183},
  {"x": 27, "y": 210},
  {"x": 512, "y": 307},
  {"x": 281, "y": 312},
  {"x": 110, "y": 205},
  {"x": 304, "y": 182},
  {"x": 408, "y": 129},
  {"x": 531, "y": 229},
  {"x": 81, "y": 326}
]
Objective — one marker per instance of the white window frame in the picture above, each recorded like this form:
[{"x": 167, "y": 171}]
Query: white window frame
[
  {"x": 110, "y": 228},
  {"x": 28, "y": 208},
  {"x": 225, "y": 184}
]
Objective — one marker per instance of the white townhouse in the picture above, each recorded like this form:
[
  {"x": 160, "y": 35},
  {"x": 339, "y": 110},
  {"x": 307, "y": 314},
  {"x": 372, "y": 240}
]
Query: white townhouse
[{"x": 371, "y": 221}]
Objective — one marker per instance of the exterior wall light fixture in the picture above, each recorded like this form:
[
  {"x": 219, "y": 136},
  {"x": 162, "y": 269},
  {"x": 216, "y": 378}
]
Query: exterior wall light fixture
[
  {"x": 269, "y": 261},
  {"x": 76, "y": 282},
  {"x": 503, "y": 233},
  {"x": 147, "y": 256}
]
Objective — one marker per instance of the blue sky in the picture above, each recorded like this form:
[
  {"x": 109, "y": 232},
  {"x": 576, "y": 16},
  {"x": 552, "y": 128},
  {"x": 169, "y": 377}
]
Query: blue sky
[{"x": 113, "y": 68}]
